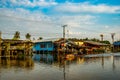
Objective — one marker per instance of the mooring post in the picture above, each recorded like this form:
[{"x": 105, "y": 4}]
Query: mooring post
[{"x": 0, "y": 43}]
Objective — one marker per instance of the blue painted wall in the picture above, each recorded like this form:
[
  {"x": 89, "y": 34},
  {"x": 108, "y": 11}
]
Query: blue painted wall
[
  {"x": 116, "y": 43},
  {"x": 43, "y": 46}
]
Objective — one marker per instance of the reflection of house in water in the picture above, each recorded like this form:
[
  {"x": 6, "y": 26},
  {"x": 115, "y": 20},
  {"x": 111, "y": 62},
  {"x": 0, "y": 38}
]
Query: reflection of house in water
[
  {"x": 12, "y": 47},
  {"x": 20, "y": 62},
  {"x": 49, "y": 58},
  {"x": 80, "y": 60},
  {"x": 45, "y": 58},
  {"x": 116, "y": 46}
]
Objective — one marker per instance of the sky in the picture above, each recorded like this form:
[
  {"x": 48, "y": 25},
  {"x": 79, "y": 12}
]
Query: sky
[{"x": 45, "y": 18}]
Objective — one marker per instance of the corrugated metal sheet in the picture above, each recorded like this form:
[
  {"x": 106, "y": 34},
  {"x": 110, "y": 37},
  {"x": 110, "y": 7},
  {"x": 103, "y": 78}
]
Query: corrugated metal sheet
[
  {"x": 116, "y": 43},
  {"x": 96, "y": 43},
  {"x": 47, "y": 40}
]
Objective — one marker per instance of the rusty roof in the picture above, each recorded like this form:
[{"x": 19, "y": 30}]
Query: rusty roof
[
  {"x": 96, "y": 43},
  {"x": 15, "y": 41}
]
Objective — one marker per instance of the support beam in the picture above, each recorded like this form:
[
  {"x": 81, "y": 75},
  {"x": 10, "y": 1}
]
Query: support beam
[
  {"x": 64, "y": 30},
  {"x": 0, "y": 43}
]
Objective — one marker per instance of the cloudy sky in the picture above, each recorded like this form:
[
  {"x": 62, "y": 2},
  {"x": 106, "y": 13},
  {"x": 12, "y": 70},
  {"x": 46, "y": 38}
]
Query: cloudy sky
[{"x": 45, "y": 18}]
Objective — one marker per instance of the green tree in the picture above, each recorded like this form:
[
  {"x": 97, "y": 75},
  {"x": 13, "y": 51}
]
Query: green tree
[
  {"x": 101, "y": 35},
  {"x": 106, "y": 42},
  {"x": 0, "y": 34},
  {"x": 28, "y": 36},
  {"x": 86, "y": 39},
  {"x": 40, "y": 38},
  {"x": 94, "y": 39},
  {"x": 16, "y": 35}
]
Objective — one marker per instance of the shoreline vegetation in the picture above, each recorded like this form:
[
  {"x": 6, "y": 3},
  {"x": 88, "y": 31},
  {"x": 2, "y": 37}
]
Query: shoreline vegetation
[{"x": 16, "y": 46}]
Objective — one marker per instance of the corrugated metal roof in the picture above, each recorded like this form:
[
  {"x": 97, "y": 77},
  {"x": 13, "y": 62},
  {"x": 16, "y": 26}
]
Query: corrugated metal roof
[
  {"x": 116, "y": 43},
  {"x": 15, "y": 41},
  {"x": 96, "y": 43},
  {"x": 47, "y": 40}
]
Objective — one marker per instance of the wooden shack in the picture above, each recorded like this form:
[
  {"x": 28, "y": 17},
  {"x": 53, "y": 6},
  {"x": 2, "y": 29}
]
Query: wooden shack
[
  {"x": 96, "y": 47},
  {"x": 10, "y": 47}
]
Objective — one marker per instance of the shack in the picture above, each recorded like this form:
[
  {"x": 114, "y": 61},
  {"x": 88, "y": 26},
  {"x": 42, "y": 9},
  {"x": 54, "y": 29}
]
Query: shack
[
  {"x": 96, "y": 47},
  {"x": 10, "y": 47},
  {"x": 116, "y": 46},
  {"x": 51, "y": 45},
  {"x": 44, "y": 45}
]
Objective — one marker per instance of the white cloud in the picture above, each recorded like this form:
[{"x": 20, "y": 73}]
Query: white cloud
[
  {"x": 24, "y": 14},
  {"x": 25, "y": 21},
  {"x": 40, "y": 24},
  {"x": 87, "y": 7},
  {"x": 77, "y": 21},
  {"x": 33, "y": 3},
  {"x": 106, "y": 27}
]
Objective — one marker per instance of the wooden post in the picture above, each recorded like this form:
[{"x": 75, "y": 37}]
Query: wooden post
[
  {"x": 64, "y": 38},
  {"x": 0, "y": 43},
  {"x": 24, "y": 48},
  {"x": 7, "y": 52}
]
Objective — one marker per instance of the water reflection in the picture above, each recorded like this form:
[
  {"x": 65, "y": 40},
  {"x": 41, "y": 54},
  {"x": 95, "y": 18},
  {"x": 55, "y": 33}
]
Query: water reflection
[
  {"x": 47, "y": 66},
  {"x": 16, "y": 62},
  {"x": 44, "y": 58},
  {"x": 101, "y": 62}
]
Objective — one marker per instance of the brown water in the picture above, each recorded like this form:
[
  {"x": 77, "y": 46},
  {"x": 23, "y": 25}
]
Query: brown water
[{"x": 49, "y": 67}]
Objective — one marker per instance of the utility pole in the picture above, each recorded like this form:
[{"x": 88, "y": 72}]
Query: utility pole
[
  {"x": 112, "y": 36},
  {"x": 101, "y": 35},
  {"x": 0, "y": 43},
  {"x": 64, "y": 30},
  {"x": 67, "y": 33},
  {"x": 64, "y": 38},
  {"x": 64, "y": 51},
  {"x": 0, "y": 34}
]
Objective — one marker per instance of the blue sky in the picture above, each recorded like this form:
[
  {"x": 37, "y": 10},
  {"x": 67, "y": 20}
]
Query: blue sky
[{"x": 85, "y": 18}]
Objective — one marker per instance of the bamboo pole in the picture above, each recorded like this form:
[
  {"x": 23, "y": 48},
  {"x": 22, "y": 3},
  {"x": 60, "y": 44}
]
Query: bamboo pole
[{"x": 0, "y": 43}]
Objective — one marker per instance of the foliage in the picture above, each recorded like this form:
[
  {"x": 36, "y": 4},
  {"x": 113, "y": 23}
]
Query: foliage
[
  {"x": 106, "y": 42},
  {"x": 40, "y": 38},
  {"x": 94, "y": 39},
  {"x": 87, "y": 39},
  {"x": 28, "y": 36},
  {"x": 16, "y": 35}
]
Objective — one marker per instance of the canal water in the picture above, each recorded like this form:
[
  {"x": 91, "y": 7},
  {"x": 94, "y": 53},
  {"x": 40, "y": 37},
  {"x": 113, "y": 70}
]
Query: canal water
[{"x": 56, "y": 67}]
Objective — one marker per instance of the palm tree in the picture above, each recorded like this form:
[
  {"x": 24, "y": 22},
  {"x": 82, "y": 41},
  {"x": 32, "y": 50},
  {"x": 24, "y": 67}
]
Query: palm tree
[
  {"x": 28, "y": 36},
  {"x": 112, "y": 36},
  {"x": 40, "y": 38},
  {"x": 101, "y": 35},
  {"x": 0, "y": 34},
  {"x": 0, "y": 41},
  {"x": 16, "y": 35}
]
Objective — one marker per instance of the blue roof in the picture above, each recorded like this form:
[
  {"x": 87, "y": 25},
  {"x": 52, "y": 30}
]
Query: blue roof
[
  {"x": 47, "y": 40},
  {"x": 116, "y": 43}
]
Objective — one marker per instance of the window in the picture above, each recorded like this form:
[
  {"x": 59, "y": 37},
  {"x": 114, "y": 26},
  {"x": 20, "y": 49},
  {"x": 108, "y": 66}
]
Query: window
[
  {"x": 42, "y": 45},
  {"x": 49, "y": 45}
]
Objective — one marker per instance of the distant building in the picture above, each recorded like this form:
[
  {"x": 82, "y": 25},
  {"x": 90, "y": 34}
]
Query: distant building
[
  {"x": 10, "y": 47},
  {"x": 116, "y": 46},
  {"x": 45, "y": 45},
  {"x": 96, "y": 47},
  {"x": 55, "y": 44},
  {"x": 78, "y": 42}
]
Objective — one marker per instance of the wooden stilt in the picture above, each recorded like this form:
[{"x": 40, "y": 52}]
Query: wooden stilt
[{"x": 0, "y": 43}]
